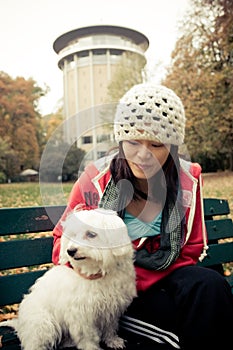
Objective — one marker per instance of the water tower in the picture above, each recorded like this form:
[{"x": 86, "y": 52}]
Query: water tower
[{"x": 88, "y": 57}]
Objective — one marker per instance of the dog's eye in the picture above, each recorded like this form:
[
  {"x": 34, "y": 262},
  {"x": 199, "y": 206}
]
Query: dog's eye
[{"x": 90, "y": 234}]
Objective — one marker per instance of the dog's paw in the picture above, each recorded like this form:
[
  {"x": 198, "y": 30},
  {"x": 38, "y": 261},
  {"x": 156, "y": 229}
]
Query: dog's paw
[
  {"x": 115, "y": 343},
  {"x": 88, "y": 345}
]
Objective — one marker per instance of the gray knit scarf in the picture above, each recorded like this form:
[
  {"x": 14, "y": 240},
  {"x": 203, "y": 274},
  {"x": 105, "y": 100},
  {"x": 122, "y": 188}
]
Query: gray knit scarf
[{"x": 171, "y": 231}]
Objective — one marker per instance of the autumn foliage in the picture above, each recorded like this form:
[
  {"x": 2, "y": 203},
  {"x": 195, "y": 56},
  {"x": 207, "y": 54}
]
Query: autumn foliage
[
  {"x": 201, "y": 73},
  {"x": 19, "y": 124}
]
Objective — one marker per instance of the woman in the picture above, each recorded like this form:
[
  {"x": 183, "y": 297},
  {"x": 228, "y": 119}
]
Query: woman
[{"x": 158, "y": 195}]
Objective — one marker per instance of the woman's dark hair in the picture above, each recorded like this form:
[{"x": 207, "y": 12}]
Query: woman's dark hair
[{"x": 166, "y": 180}]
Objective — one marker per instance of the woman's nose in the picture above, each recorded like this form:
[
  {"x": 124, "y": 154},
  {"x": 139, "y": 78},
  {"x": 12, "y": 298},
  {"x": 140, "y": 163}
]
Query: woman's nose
[{"x": 144, "y": 152}]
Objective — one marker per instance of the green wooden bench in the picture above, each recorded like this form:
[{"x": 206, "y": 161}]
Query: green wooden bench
[{"x": 20, "y": 251}]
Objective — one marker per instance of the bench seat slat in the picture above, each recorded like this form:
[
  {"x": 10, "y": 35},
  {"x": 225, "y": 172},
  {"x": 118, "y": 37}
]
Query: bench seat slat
[
  {"x": 14, "y": 286},
  {"x": 25, "y": 252}
]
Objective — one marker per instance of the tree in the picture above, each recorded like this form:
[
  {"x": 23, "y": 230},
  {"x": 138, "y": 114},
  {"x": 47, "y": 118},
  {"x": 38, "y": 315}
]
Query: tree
[
  {"x": 60, "y": 161},
  {"x": 201, "y": 74},
  {"x": 19, "y": 119},
  {"x": 8, "y": 160},
  {"x": 130, "y": 71},
  {"x": 50, "y": 124},
  {"x": 72, "y": 164}
]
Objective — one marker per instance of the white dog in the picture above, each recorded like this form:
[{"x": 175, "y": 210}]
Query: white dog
[{"x": 81, "y": 306}]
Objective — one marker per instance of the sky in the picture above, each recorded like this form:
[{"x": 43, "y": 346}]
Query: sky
[{"x": 28, "y": 29}]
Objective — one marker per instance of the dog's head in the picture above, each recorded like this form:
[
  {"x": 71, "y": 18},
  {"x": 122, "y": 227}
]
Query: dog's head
[{"x": 94, "y": 240}]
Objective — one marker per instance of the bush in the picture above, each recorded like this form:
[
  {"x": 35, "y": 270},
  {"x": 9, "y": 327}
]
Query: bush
[{"x": 3, "y": 177}]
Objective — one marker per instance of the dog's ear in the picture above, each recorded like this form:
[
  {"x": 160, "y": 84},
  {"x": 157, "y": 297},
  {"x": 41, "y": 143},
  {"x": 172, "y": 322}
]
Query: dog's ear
[
  {"x": 63, "y": 257},
  {"x": 125, "y": 250}
]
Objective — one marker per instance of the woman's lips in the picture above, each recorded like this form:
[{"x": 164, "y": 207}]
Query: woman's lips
[{"x": 143, "y": 166}]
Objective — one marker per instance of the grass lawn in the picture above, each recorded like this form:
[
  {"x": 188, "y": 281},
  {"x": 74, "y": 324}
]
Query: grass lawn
[
  {"x": 219, "y": 185},
  {"x": 33, "y": 194}
]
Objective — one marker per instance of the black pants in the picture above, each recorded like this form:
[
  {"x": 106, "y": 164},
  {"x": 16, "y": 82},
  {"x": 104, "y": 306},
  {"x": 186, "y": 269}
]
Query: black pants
[{"x": 190, "y": 309}]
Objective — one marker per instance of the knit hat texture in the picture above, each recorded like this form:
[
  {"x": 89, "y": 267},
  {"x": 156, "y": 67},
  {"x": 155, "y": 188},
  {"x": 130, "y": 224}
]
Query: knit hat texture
[{"x": 150, "y": 112}]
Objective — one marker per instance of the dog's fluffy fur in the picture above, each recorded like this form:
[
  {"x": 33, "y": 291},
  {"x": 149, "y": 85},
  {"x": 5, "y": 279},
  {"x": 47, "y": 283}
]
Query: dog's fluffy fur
[{"x": 81, "y": 306}]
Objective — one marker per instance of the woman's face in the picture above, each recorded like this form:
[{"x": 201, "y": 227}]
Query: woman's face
[{"x": 145, "y": 158}]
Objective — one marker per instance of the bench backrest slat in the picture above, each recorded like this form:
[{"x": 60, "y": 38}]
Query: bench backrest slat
[
  {"x": 218, "y": 229},
  {"x": 30, "y": 219},
  {"x": 25, "y": 252},
  {"x": 214, "y": 206},
  {"x": 218, "y": 254},
  {"x": 13, "y": 287}
]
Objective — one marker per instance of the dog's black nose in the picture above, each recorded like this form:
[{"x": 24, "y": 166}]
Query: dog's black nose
[{"x": 72, "y": 251}]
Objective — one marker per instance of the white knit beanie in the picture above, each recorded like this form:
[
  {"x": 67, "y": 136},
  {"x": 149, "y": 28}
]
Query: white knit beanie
[{"x": 150, "y": 112}]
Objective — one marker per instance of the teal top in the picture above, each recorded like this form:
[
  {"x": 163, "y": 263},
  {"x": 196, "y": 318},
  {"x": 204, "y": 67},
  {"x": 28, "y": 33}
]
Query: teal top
[{"x": 138, "y": 229}]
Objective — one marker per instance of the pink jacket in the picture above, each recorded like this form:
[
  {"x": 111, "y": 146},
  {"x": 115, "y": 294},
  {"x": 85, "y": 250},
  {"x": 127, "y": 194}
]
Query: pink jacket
[{"x": 89, "y": 188}]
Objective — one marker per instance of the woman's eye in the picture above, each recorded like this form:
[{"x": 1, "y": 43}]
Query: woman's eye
[
  {"x": 134, "y": 143},
  {"x": 90, "y": 234},
  {"x": 157, "y": 145}
]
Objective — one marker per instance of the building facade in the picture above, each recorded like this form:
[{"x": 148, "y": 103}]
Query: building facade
[{"x": 88, "y": 57}]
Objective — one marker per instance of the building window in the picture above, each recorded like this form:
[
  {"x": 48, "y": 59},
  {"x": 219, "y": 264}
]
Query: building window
[
  {"x": 103, "y": 137},
  {"x": 115, "y": 52},
  {"x": 101, "y": 154},
  {"x": 99, "y": 52},
  {"x": 86, "y": 140},
  {"x": 83, "y": 54}
]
